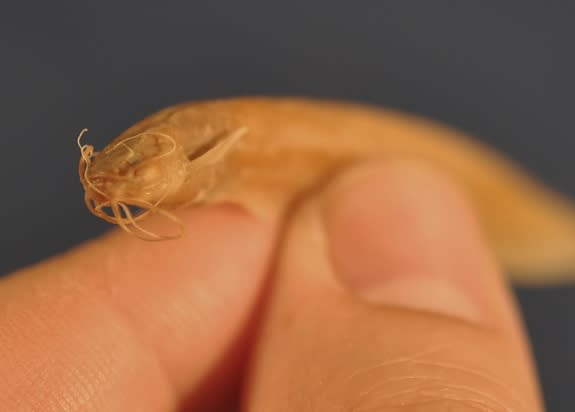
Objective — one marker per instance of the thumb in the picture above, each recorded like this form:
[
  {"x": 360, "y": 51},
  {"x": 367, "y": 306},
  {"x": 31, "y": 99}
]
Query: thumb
[{"x": 386, "y": 298}]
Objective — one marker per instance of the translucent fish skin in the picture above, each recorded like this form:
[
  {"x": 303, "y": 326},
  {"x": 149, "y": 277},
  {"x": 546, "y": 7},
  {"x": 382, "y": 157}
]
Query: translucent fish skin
[{"x": 264, "y": 153}]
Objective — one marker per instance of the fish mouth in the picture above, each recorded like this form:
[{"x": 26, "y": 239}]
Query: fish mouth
[
  {"x": 105, "y": 204},
  {"x": 128, "y": 213}
]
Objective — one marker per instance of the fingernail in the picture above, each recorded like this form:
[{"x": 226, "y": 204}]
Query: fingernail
[{"x": 400, "y": 234}]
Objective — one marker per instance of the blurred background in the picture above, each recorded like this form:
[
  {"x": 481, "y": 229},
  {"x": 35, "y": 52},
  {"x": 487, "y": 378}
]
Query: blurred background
[{"x": 502, "y": 71}]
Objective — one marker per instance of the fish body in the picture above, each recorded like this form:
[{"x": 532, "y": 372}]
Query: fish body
[{"x": 265, "y": 153}]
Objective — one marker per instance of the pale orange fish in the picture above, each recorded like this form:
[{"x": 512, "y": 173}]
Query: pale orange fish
[{"x": 263, "y": 153}]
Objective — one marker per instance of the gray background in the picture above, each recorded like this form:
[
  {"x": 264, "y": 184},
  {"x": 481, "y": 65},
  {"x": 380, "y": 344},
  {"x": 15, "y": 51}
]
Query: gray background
[{"x": 500, "y": 70}]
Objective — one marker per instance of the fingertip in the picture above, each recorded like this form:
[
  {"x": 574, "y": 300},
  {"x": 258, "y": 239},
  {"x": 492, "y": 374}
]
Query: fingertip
[
  {"x": 177, "y": 308},
  {"x": 195, "y": 292},
  {"x": 401, "y": 233}
]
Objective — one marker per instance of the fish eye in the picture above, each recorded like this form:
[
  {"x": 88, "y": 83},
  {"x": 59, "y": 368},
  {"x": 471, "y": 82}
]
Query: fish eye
[
  {"x": 132, "y": 162},
  {"x": 133, "y": 159}
]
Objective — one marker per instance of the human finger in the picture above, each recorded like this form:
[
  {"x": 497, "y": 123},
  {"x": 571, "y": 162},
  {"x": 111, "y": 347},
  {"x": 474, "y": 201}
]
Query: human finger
[
  {"x": 387, "y": 299},
  {"x": 121, "y": 324}
]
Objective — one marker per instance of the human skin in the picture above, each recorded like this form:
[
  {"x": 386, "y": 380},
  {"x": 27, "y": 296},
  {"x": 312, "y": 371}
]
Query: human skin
[{"x": 377, "y": 293}]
